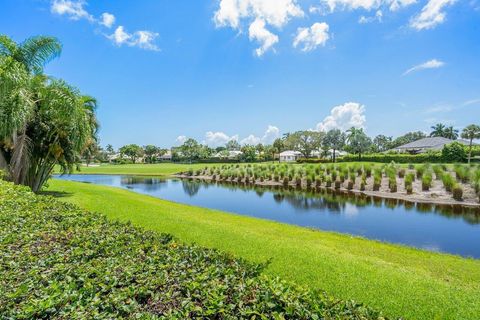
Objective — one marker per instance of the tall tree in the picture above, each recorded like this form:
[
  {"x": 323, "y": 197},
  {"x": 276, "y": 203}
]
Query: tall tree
[
  {"x": 358, "y": 141},
  {"x": 335, "y": 140},
  {"x": 110, "y": 150},
  {"x": 233, "y": 145},
  {"x": 190, "y": 149},
  {"x": 150, "y": 152},
  {"x": 382, "y": 142},
  {"x": 407, "y": 138},
  {"x": 471, "y": 132},
  {"x": 450, "y": 133},
  {"x": 132, "y": 151},
  {"x": 43, "y": 121},
  {"x": 438, "y": 130},
  {"x": 304, "y": 142}
]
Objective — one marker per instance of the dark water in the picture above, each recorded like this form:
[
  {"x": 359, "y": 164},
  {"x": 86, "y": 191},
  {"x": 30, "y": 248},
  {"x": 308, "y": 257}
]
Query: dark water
[{"x": 430, "y": 227}]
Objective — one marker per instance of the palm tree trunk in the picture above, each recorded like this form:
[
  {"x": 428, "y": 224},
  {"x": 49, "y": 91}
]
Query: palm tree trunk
[
  {"x": 470, "y": 151},
  {"x": 333, "y": 155}
]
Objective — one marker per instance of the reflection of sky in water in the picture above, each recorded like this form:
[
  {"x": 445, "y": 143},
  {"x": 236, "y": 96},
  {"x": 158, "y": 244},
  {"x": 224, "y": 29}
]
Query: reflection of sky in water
[{"x": 424, "y": 226}]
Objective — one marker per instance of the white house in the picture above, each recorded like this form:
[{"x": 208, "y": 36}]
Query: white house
[
  {"x": 166, "y": 157},
  {"x": 289, "y": 156},
  {"x": 228, "y": 154}
]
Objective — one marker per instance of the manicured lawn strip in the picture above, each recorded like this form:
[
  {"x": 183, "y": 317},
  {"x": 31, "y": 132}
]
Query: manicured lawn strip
[
  {"x": 397, "y": 280},
  {"x": 58, "y": 261},
  {"x": 158, "y": 169}
]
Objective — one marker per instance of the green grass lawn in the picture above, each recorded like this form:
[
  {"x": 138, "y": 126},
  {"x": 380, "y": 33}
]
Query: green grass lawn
[
  {"x": 158, "y": 169},
  {"x": 397, "y": 280}
]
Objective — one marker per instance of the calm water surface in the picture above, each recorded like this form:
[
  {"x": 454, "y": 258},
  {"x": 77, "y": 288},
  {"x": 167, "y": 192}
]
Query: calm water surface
[{"x": 436, "y": 228}]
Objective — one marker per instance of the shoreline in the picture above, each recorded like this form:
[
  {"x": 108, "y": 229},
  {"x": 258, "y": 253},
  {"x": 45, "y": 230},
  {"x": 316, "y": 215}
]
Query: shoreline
[{"x": 417, "y": 197}]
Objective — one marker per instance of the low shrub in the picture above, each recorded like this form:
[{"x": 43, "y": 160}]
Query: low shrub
[{"x": 60, "y": 262}]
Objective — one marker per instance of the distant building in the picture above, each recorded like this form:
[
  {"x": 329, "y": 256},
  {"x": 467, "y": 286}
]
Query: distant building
[
  {"x": 228, "y": 154},
  {"x": 427, "y": 144},
  {"x": 289, "y": 156},
  {"x": 166, "y": 157}
]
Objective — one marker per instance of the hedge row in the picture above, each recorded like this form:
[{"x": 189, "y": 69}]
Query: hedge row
[
  {"x": 60, "y": 262},
  {"x": 384, "y": 158}
]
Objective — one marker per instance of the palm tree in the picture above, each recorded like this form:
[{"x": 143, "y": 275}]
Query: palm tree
[
  {"x": 451, "y": 133},
  {"x": 43, "y": 121},
  {"x": 471, "y": 132},
  {"x": 33, "y": 53},
  {"x": 438, "y": 130}
]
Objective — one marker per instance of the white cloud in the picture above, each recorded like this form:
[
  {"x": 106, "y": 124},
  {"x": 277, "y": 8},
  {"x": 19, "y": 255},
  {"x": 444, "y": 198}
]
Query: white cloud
[
  {"x": 108, "y": 19},
  {"x": 258, "y": 32},
  {"x": 274, "y": 12},
  {"x": 470, "y": 102},
  {"x": 73, "y": 9},
  {"x": 335, "y": 5},
  {"x": 343, "y": 117},
  {"x": 268, "y": 137},
  {"x": 311, "y": 38},
  {"x": 377, "y": 17},
  {"x": 257, "y": 14},
  {"x": 431, "y": 64},
  {"x": 271, "y": 134},
  {"x": 142, "y": 39},
  {"x": 217, "y": 139},
  {"x": 181, "y": 139},
  {"x": 431, "y": 15},
  {"x": 250, "y": 140}
]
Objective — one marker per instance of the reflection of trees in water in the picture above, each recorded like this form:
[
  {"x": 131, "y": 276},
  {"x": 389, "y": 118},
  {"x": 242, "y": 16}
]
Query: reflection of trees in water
[
  {"x": 335, "y": 201},
  {"x": 148, "y": 183},
  {"x": 191, "y": 187}
]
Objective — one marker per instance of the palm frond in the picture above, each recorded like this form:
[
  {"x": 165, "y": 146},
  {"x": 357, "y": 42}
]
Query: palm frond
[
  {"x": 37, "y": 51},
  {"x": 8, "y": 47}
]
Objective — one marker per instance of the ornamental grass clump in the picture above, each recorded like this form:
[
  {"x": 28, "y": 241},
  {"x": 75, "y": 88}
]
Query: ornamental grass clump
[
  {"x": 462, "y": 173},
  {"x": 377, "y": 180},
  {"x": 457, "y": 192},
  {"x": 420, "y": 170},
  {"x": 439, "y": 171},
  {"x": 448, "y": 182},
  {"x": 338, "y": 184},
  {"x": 318, "y": 181},
  {"x": 401, "y": 173},
  {"x": 427, "y": 181},
  {"x": 328, "y": 182}
]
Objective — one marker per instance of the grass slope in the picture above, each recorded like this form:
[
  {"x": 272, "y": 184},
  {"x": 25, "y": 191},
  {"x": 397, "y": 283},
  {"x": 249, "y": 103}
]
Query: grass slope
[
  {"x": 58, "y": 261},
  {"x": 398, "y": 280}
]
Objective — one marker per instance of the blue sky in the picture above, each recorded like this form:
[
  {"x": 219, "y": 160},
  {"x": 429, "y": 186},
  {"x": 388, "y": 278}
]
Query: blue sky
[{"x": 254, "y": 69}]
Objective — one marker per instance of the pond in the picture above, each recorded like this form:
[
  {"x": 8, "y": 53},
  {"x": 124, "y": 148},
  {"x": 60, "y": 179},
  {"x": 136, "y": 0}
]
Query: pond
[{"x": 447, "y": 229}]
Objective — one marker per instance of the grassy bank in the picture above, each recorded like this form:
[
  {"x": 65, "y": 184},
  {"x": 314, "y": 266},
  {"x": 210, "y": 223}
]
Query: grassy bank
[
  {"x": 58, "y": 261},
  {"x": 158, "y": 169},
  {"x": 398, "y": 280}
]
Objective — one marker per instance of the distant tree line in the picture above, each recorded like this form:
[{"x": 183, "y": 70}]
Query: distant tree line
[{"x": 308, "y": 143}]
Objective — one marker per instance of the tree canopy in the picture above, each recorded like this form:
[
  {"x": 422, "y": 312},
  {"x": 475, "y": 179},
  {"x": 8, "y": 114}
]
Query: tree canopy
[{"x": 44, "y": 121}]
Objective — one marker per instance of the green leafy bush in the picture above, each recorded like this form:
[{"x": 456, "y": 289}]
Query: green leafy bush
[
  {"x": 432, "y": 157},
  {"x": 454, "y": 152},
  {"x": 60, "y": 262}
]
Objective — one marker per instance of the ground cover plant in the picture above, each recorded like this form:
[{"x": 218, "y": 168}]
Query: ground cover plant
[
  {"x": 398, "y": 280},
  {"x": 58, "y": 261}
]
